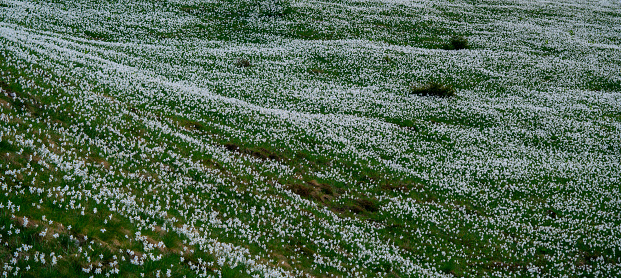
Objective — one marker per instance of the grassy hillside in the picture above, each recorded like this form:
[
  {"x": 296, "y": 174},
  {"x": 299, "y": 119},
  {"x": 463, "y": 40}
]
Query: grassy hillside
[{"x": 338, "y": 138}]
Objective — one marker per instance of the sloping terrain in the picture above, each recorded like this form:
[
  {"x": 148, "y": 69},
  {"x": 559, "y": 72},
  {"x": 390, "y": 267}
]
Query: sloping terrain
[{"x": 208, "y": 138}]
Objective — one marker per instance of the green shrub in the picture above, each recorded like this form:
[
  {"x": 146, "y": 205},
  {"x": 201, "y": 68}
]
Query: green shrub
[
  {"x": 243, "y": 63},
  {"x": 433, "y": 89},
  {"x": 456, "y": 43}
]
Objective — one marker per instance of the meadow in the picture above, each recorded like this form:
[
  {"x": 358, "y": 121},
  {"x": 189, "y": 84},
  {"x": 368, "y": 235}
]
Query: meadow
[{"x": 334, "y": 138}]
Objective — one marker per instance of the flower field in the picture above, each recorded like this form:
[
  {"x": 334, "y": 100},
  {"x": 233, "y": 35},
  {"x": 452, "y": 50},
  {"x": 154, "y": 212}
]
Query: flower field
[{"x": 336, "y": 138}]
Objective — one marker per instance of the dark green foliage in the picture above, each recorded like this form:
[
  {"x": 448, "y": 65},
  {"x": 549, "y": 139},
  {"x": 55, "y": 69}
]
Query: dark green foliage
[
  {"x": 451, "y": 267},
  {"x": 243, "y": 63},
  {"x": 459, "y": 43},
  {"x": 433, "y": 89},
  {"x": 456, "y": 43},
  {"x": 6, "y": 147}
]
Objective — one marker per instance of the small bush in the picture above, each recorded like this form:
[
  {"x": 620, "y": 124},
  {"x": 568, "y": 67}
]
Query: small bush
[
  {"x": 243, "y": 63},
  {"x": 457, "y": 43},
  {"x": 433, "y": 89}
]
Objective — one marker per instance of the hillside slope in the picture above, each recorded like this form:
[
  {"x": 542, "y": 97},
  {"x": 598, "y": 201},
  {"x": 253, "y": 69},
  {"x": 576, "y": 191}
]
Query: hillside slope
[{"x": 208, "y": 138}]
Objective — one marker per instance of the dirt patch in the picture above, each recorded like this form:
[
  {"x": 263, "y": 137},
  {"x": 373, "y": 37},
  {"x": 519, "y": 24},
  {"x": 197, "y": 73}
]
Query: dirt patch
[
  {"x": 100, "y": 161},
  {"x": 368, "y": 204},
  {"x": 157, "y": 245},
  {"x": 5, "y": 104},
  {"x": 282, "y": 261},
  {"x": 314, "y": 190},
  {"x": 301, "y": 189},
  {"x": 30, "y": 223}
]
